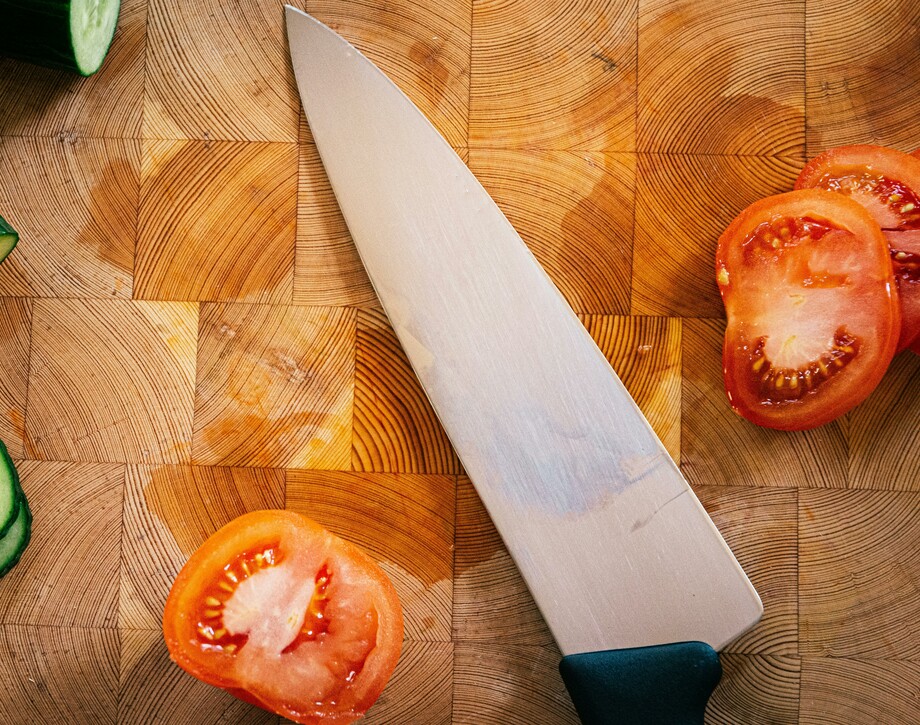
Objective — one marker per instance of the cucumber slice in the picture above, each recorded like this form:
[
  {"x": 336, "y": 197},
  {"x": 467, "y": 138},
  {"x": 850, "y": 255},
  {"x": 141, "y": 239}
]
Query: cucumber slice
[
  {"x": 15, "y": 541},
  {"x": 10, "y": 491},
  {"x": 8, "y": 238},
  {"x": 71, "y": 34}
]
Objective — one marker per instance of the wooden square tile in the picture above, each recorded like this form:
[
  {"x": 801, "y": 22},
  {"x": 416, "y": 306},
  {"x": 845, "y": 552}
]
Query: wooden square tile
[
  {"x": 48, "y": 102},
  {"x": 74, "y": 204},
  {"x": 420, "y": 690},
  {"x": 328, "y": 270},
  {"x": 683, "y": 204},
  {"x": 852, "y": 692},
  {"x": 504, "y": 684},
  {"x": 58, "y": 675},
  {"x": 15, "y": 339},
  {"x": 554, "y": 75},
  {"x": 718, "y": 447},
  {"x": 722, "y": 77},
  {"x": 859, "y": 574},
  {"x": 885, "y": 428},
  {"x": 111, "y": 380},
  {"x": 169, "y": 512},
  {"x": 404, "y": 521},
  {"x": 491, "y": 600},
  {"x": 761, "y": 527},
  {"x": 756, "y": 690},
  {"x": 395, "y": 427},
  {"x": 68, "y": 575},
  {"x": 233, "y": 81},
  {"x": 423, "y": 47},
  {"x": 862, "y": 92},
  {"x": 154, "y": 690},
  {"x": 645, "y": 352},
  {"x": 274, "y": 386},
  {"x": 575, "y": 212},
  {"x": 241, "y": 197}
]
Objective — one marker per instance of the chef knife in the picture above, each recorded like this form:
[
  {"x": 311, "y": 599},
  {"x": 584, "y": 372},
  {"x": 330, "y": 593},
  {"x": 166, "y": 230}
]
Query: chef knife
[{"x": 632, "y": 577}]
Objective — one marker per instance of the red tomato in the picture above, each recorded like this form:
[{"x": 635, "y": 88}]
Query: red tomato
[
  {"x": 812, "y": 308},
  {"x": 905, "y": 256},
  {"x": 287, "y": 616},
  {"x": 887, "y": 183}
]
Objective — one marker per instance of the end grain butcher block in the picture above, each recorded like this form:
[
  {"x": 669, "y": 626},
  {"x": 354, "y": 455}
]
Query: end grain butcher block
[{"x": 187, "y": 334}]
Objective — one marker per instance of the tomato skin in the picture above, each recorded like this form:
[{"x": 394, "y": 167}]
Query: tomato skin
[
  {"x": 759, "y": 287},
  {"x": 249, "y": 667}
]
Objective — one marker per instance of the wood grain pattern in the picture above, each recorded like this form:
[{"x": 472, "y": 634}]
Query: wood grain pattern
[
  {"x": 74, "y": 203},
  {"x": 574, "y": 211},
  {"x": 880, "y": 434},
  {"x": 169, "y": 511},
  {"x": 111, "y": 380},
  {"x": 861, "y": 92},
  {"x": 859, "y": 574},
  {"x": 68, "y": 576},
  {"x": 404, "y": 521},
  {"x": 559, "y": 74},
  {"x": 58, "y": 675},
  {"x": 395, "y": 427},
  {"x": 721, "y": 77},
  {"x": 328, "y": 270},
  {"x": 756, "y": 690},
  {"x": 274, "y": 386},
  {"x": 423, "y": 47},
  {"x": 232, "y": 82},
  {"x": 217, "y": 221},
  {"x": 15, "y": 341},
  {"x": 151, "y": 689},
  {"x": 645, "y": 352},
  {"x": 761, "y": 527},
  {"x": 421, "y": 688},
  {"x": 491, "y": 600},
  {"x": 854, "y": 692},
  {"x": 719, "y": 447},
  {"x": 683, "y": 204},
  {"x": 48, "y": 102},
  {"x": 503, "y": 684}
]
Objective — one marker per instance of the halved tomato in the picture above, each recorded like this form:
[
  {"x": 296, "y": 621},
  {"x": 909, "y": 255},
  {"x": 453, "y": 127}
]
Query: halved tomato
[
  {"x": 285, "y": 615},
  {"x": 812, "y": 307},
  {"x": 887, "y": 183}
]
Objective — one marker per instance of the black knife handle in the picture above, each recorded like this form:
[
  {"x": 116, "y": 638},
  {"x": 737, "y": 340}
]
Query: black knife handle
[{"x": 667, "y": 684}]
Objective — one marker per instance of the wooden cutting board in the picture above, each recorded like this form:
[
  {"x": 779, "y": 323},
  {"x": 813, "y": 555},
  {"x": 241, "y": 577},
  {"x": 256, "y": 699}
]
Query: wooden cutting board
[{"x": 186, "y": 333}]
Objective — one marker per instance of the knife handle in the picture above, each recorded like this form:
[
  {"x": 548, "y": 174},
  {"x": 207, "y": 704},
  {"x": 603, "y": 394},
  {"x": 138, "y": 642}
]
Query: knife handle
[{"x": 667, "y": 684}]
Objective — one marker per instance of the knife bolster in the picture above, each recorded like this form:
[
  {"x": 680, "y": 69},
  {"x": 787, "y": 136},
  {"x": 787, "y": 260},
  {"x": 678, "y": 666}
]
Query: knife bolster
[{"x": 666, "y": 684}]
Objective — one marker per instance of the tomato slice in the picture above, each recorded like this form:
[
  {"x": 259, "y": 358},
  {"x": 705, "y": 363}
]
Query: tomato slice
[
  {"x": 812, "y": 308},
  {"x": 887, "y": 183},
  {"x": 905, "y": 256},
  {"x": 287, "y": 616}
]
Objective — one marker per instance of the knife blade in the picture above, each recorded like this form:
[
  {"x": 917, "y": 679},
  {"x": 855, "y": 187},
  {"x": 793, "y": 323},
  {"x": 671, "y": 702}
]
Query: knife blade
[{"x": 632, "y": 577}]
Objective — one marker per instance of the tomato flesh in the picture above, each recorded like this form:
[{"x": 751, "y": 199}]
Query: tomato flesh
[
  {"x": 285, "y": 615},
  {"x": 812, "y": 308},
  {"x": 905, "y": 257}
]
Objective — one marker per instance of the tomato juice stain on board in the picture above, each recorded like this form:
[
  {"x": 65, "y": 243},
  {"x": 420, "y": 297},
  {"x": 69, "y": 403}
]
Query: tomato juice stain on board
[
  {"x": 192, "y": 502},
  {"x": 110, "y": 230},
  {"x": 217, "y": 221},
  {"x": 599, "y": 230}
]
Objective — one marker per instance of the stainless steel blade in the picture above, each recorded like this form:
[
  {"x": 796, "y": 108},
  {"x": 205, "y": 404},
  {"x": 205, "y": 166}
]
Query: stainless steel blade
[{"x": 615, "y": 547}]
